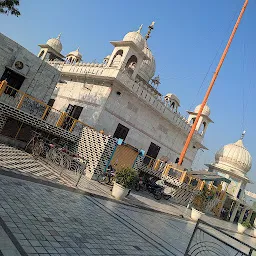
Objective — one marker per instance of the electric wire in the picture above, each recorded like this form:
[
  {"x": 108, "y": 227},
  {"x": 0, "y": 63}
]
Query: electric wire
[{"x": 217, "y": 53}]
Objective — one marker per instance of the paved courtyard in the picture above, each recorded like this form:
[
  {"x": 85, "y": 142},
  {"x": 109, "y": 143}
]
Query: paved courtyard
[
  {"x": 50, "y": 221},
  {"x": 38, "y": 219},
  {"x": 43, "y": 220}
]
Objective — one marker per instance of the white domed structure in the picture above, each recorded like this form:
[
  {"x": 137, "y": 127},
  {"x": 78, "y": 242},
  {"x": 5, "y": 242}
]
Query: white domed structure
[
  {"x": 76, "y": 54},
  {"x": 172, "y": 101},
  {"x": 171, "y": 96},
  {"x": 55, "y": 43},
  {"x": 206, "y": 111},
  {"x": 136, "y": 37},
  {"x": 235, "y": 156},
  {"x": 147, "y": 67}
]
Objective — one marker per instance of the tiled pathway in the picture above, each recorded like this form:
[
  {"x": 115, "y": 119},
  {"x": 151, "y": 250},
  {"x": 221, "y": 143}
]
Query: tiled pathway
[
  {"x": 43, "y": 220},
  {"x": 51, "y": 221}
]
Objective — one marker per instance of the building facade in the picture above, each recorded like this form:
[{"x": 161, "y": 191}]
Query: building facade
[
  {"x": 120, "y": 97},
  {"x": 26, "y": 72}
]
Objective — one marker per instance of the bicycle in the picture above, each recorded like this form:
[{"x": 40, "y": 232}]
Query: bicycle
[{"x": 36, "y": 144}]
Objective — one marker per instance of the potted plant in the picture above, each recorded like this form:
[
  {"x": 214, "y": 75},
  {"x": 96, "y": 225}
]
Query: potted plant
[
  {"x": 241, "y": 227},
  {"x": 124, "y": 181},
  {"x": 199, "y": 203}
]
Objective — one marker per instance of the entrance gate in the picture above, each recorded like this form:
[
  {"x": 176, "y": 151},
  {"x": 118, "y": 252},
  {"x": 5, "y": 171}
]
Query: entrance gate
[{"x": 124, "y": 156}]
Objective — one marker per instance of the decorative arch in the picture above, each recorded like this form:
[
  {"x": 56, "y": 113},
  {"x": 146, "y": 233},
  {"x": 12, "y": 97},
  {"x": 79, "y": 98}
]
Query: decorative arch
[
  {"x": 192, "y": 120},
  {"x": 131, "y": 64},
  {"x": 41, "y": 54},
  {"x": 202, "y": 128},
  {"x": 117, "y": 58}
]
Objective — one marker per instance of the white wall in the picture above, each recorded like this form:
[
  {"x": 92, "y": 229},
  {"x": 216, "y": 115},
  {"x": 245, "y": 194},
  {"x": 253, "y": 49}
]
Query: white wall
[
  {"x": 145, "y": 125},
  {"x": 89, "y": 96},
  {"x": 41, "y": 78}
]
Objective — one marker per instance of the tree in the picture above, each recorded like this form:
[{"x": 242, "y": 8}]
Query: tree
[{"x": 9, "y": 6}]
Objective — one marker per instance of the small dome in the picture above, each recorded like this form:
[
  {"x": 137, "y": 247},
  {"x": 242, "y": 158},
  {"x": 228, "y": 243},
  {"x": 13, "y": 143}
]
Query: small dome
[
  {"x": 147, "y": 67},
  {"x": 171, "y": 96},
  {"x": 76, "y": 54},
  {"x": 235, "y": 156},
  {"x": 206, "y": 111},
  {"x": 135, "y": 37},
  {"x": 55, "y": 43}
]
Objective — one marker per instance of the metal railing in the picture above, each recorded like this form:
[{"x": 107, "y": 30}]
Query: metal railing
[
  {"x": 60, "y": 156},
  {"x": 39, "y": 109},
  {"x": 211, "y": 241}
]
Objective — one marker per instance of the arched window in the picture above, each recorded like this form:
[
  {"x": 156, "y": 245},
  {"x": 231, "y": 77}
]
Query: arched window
[
  {"x": 41, "y": 54},
  {"x": 117, "y": 58},
  {"x": 202, "y": 128},
  {"x": 173, "y": 105},
  {"x": 192, "y": 120},
  {"x": 131, "y": 64}
]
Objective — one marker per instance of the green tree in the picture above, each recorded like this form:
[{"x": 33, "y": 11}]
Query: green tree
[{"x": 9, "y": 6}]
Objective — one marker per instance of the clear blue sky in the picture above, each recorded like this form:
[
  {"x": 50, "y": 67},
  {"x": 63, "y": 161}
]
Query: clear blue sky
[{"x": 184, "y": 42}]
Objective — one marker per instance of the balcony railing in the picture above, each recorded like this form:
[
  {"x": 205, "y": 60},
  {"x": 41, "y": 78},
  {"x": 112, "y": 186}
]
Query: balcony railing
[{"x": 33, "y": 106}]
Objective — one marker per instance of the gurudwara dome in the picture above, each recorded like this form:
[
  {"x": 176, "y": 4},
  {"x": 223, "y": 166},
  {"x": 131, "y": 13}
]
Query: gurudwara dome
[
  {"x": 147, "y": 67},
  {"x": 235, "y": 156},
  {"x": 55, "y": 43},
  {"x": 206, "y": 111},
  {"x": 136, "y": 37}
]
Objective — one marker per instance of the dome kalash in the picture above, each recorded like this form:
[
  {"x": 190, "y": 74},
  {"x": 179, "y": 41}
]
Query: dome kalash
[
  {"x": 55, "y": 43},
  {"x": 148, "y": 67},
  {"x": 235, "y": 157}
]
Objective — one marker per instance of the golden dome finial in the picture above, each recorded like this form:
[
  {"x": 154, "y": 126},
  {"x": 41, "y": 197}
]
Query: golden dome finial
[
  {"x": 243, "y": 135},
  {"x": 150, "y": 28}
]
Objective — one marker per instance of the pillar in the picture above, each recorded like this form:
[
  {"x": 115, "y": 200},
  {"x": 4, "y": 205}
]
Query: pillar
[
  {"x": 242, "y": 215},
  {"x": 232, "y": 218},
  {"x": 249, "y": 215}
]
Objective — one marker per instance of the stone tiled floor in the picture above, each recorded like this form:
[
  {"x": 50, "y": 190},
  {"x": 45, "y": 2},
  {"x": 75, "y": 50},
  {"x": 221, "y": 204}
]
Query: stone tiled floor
[
  {"x": 6, "y": 245},
  {"x": 44, "y": 220},
  {"x": 50, "y": 221}
]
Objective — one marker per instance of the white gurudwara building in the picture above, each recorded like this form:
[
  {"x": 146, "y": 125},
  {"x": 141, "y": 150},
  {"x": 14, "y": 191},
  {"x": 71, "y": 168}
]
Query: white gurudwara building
[
  {"x": 120, "y": 96},
  {"x": 233, "y": 161}
]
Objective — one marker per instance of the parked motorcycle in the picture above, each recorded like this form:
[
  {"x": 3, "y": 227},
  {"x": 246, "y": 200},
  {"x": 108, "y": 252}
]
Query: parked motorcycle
[
  {"x": 140, "y": 185},
  {"x": 157, "y": 191}
]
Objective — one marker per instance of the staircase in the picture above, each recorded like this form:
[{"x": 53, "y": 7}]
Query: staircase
[{"x": 20, "y": 161}]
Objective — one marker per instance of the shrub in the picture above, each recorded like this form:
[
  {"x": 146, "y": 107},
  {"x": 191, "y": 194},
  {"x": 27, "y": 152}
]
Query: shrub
[
  {"x": 202, "y": 198},
  {"x": 126, "y": 177},
  {"x": 246, "y": 224}
]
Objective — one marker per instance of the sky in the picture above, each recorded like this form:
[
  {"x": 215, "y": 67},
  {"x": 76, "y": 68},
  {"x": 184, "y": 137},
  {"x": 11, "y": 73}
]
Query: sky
[{"x": 187, "y": 43}]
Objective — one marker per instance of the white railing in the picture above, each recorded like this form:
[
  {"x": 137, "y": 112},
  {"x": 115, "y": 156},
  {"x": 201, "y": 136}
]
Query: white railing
[{"x": 143, "y": 90}]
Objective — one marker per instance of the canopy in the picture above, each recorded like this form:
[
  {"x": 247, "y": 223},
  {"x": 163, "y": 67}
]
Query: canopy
[{"x": 208, "y": 176}]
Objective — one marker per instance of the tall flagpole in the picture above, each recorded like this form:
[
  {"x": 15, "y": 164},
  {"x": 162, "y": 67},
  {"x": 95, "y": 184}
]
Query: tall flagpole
[{"x": 184, "y": 150}]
